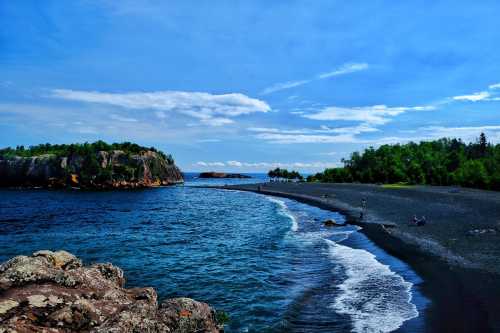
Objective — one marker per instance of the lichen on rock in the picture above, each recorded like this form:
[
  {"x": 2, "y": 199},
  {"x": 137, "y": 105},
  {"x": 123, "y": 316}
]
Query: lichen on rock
[{"x": 53, "y": 292}]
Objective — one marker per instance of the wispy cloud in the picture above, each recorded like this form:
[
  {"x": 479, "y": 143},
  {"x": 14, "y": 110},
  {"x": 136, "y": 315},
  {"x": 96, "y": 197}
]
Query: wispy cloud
[
  {"x": 375, "y": 115},
  {"x": 279, "y": 138},
  {"x": 344, "y": 69},
  {"x": 267, "y": 165},
  {"x": 210, "y": 109},
  {"x": 347, "y": 68},
  {"x": 428, "y": 133},
  {"x": 283, "y": 86},
  {"x": 208, "y": 140},
  {"x": 124, "y": 119},
  {"x": 322, "y": 129},
  {"x": 490, "y": 95},
  {"x": 475, "y": 97},
  {"x": 210, "y": 164}
]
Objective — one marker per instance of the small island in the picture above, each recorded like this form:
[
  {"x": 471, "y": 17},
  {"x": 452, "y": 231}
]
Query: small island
[
  {"x": 213, "y": 174},
  {"x": 95, "y": 165}
]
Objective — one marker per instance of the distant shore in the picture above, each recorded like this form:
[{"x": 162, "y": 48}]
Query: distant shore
[{"x": 457, "y": 252}]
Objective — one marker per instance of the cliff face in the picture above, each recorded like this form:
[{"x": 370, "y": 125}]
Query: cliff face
[
  {"x": 53, "y": 292},
  {"x": 114, "y": 169}
]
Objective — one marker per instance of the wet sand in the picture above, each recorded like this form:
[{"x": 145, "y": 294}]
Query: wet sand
[{"x": 457, "y": 253}]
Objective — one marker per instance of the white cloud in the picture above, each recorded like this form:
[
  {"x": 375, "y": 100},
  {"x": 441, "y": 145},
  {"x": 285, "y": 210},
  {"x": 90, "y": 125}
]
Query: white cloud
[
  {"x": 428, "y": 133},
  {"x": 210, "y": 109},
  {"x": 283, "y": 86},
  {"x": 305, "y": 138},
  {"x": 208, "y": 140},
  {"x": 475, "y": 97},
  {"x": 466, "y": 133},
  {"x": 124, "y": 119},
  {"x": 216, "y": 121},
  {"x": 344, "y": 69},
  {"x": 269, "y": 165},
  {"x": 234, "y": 163},
  {"x": 161, "y": 114},
  {"x": 376, "y": 115},
  {"x": 495, "y": 86},
  {"x": 209, "y": 164},
  {"x": 308, "y": 135},
  {"x": 322, "y": 129}
]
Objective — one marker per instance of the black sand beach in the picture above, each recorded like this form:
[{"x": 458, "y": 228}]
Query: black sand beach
[{"x": 457, "y": 252}]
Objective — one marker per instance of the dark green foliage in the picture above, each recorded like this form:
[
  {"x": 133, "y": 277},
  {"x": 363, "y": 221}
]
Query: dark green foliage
[
  {"x": 82, "y": 149},
  {"x": 284, "y": 174},
  {"x": 440, "y": 162},
  {"x": 221, "y": 317},
  {"x": 87, "y": 163}
]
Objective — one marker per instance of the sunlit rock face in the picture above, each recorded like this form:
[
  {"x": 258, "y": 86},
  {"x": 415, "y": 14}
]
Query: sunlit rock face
[{"x": 105, "y": 170}]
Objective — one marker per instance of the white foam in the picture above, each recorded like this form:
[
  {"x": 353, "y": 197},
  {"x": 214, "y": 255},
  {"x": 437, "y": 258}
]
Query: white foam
[
  {"x": 376, "y": 298},
  {"x": 283, "y": 211}
]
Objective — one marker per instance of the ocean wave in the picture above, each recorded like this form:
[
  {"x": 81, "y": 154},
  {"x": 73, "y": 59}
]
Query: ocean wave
[
  {"x": 376, "y": 298},
  {"x": 284, "y": 211}
]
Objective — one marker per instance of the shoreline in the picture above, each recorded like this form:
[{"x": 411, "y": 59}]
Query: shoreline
[{"x": 464, "y": 296}]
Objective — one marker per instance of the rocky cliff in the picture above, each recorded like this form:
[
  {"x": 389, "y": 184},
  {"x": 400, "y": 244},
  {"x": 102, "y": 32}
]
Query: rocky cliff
[
  {"x": 102, "y": 169},
  {"x": 53, "y": 292}
]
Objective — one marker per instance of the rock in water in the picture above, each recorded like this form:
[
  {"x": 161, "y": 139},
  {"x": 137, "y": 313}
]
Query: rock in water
[
  {"x": 53, "y": 292},
  {"x": 331, "y": 223},
  {"x": 213, "y": 174}
]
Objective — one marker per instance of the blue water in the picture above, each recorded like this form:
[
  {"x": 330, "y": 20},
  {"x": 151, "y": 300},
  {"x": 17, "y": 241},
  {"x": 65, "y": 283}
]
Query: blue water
[{"x": 268, "y": 262}]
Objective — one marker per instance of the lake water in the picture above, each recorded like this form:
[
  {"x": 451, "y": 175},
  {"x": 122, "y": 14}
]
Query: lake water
[{"x": 268, "y": 262}]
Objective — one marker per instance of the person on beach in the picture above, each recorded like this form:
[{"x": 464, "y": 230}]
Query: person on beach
[
  {"x": 363, "y": 208},
  {"x": 421, "y": 222}
]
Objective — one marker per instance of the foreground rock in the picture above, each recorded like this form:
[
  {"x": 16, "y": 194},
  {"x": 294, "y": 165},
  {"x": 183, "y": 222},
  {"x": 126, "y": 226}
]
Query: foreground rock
[
  {"x": 222, "y": 175},
  {"x": 53, "y": 292},
  {"x": 102, "y": 170}
]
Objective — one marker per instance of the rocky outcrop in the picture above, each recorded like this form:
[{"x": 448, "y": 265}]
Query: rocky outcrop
[
  {"x": 105, "y": 170},
  {"x": 53, "y": 292},
  {"x": 213, "y": 174}
]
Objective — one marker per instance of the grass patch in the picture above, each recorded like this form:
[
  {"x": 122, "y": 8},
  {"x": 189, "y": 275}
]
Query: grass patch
[{"x": 397, "y": 186}]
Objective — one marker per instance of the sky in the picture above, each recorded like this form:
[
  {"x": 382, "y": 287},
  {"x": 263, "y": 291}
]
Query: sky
[{"x": 246, "y": 86}]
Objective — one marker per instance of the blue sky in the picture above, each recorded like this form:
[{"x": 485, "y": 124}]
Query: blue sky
[{"x": 249, "y": 85}]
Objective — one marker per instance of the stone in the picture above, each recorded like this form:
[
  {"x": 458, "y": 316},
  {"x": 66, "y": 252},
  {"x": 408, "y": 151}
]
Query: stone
[
  {"x": 60, "y": 259},
  {"x": 37, "y": 301},
  {"x": 7, "y": 305},
  {"x": 53, "y": 292},
  {"x": 331, "y": 223}
]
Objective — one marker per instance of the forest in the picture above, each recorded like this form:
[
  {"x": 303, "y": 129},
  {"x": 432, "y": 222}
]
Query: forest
[
  {"x": 440, "y": 162},
  {"x": 279, "y": 174},
  {"x": 82, "y": 149}
]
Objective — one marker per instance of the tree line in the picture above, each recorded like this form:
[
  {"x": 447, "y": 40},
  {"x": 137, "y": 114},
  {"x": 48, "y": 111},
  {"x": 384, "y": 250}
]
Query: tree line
[
  {"x": 82, "y": 149},
  {"x": 283, "y": 174},
  {"x": 440, "y": 162}
]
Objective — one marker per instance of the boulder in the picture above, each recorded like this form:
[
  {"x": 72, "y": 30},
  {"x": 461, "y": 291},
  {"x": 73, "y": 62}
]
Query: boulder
[
  {"x": 53, "y": 292},
  {"x": 331, "y": 223}
]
